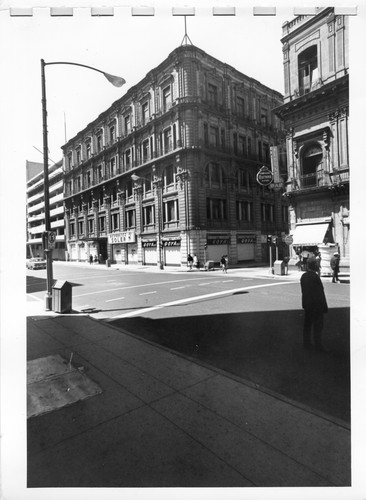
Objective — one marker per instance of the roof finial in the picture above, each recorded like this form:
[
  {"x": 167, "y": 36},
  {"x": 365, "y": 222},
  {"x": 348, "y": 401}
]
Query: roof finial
[{"x": 186, "y": 38}]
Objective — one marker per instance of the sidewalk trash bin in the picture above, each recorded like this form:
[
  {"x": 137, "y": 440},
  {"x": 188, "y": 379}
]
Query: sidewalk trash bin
[
  {"x": 61, "y": 297},
  {"x": 209, "y": 265},
  {"x": 108, "y": 263},
  {"x": 279, "y": 267}
]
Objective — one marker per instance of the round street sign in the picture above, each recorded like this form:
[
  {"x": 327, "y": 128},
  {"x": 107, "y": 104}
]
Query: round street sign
[
  {"x": 264, "y": 176},
  {"x": 289, "y": 239}
]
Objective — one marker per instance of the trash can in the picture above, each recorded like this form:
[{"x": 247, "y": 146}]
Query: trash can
[
  {"x": 279, "y": 267},
  {"x": 62, "y": 297}
]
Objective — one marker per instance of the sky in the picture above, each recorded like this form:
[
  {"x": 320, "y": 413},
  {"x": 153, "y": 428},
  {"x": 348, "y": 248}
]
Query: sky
[
  {"x": 130, "y": 47},
  {"x": 123, "y": 45}
]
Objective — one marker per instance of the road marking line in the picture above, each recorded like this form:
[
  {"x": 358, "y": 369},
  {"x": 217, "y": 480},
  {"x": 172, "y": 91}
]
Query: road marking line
[
  {"x": 178, "y": 288},
  {"x": 227, "y": 281},
  {"x": 194, "y": 299},
  {"x": 147, "y": 293},
  {"x": 137, "y": 286},
  {"x": 112, "y": 300}
]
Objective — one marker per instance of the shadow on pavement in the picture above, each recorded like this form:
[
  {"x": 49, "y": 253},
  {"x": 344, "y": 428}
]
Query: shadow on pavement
[{"x": 266, "y": 349}]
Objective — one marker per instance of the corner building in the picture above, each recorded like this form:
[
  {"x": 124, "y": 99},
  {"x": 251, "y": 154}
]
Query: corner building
[
  {"x": 170, "y": 169},
  {"x": 316, "y": 119}
]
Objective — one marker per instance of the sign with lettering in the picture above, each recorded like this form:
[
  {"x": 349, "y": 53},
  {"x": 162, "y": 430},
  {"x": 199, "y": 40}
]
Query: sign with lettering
[
  {"x": 248, "y": 238},
  {"x": 264, "y": 176},
  {"x": 122, "y": 237},
  {"x": 171, "y": 243},
  {"x": 148, "y": 244},
  {"x": 218, "y": 241}
]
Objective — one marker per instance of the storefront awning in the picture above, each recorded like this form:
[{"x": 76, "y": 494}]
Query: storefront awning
[{"x": 310, "y": 234}]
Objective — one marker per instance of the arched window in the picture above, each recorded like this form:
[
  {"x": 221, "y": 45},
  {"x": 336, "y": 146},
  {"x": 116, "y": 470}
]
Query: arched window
[
  {"x": 312, "y": 157},
  {"x": 308, "y": 69}
]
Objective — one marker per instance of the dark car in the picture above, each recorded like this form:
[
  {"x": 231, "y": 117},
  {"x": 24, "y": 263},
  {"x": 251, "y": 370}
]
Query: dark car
[{"x": 36, "y": 263}]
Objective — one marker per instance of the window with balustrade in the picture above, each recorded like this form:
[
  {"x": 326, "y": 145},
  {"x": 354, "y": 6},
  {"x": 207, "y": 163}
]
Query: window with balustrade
[{"x": 311, "y": 165}]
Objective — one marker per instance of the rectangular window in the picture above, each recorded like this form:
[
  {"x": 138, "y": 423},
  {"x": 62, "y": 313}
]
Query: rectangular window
[
  {"x": 205, "y": 134},
  {"x": 169, "y": 176},
  {"x": 285, "y": 214},
  {"x": 78, "y": 156},
  {"x": 264, "y": 117},
  {"x": 145, "y": 112},
  {"x": 148, "y": 215},
  {"x": 267, "y": 212},
  {"x": 240, "y": 107},
  {"x": 127, "y": 121},
  {"x": 72, "y": 228},
  {"x": 266, "y": 151},
  {"x": 100, "y": 173},
  {"x": 130, "y": 219},
  {"x": 147, "y": 184},
  {"x": 242, "y": 145},
  {"x": 212, "y": 94},
  {"x": 146, "y": 150},
  {"x": 115, "y": 222},
  {"x": 91, "y": 226},
  {"x": 168, "y": 145},
  {"x": 167, "y": 98},
  {"x": 112, "y": 134},
  {"x": 102, "y": 226},
  {"x": 88, "y": 149},
  {"x": 235, "y": 140},
  {"x": 214, "y": 137},
  {"x": 128, "y": 164},
  {"x": 249, "y": 147},
  {"x": 223, "y": 140},
  {"x": 129, "y": 189},
  {"x": 244, "y": 211},
  {"x": 171, "y": 211},
  {"x": 216, "y": 209},
  {"x": 260, "y": 153},
  {"x": 99, "y": 143}
]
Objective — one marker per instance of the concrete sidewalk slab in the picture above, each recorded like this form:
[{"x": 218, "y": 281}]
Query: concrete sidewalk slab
[{"x": 165, "y": 420}]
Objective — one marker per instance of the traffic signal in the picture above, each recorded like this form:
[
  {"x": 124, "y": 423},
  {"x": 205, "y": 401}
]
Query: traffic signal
[
  {"x": 205, "y": 246},
  {"x": 269, "y": 239}
]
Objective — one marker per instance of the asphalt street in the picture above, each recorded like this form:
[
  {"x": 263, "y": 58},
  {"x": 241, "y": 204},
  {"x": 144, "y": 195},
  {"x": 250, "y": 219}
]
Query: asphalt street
[{"x": 249, "y": 326}]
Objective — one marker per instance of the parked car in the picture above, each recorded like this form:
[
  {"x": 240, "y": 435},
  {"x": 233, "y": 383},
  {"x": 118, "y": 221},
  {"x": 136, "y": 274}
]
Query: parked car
[{"x": 36, "y": 263}]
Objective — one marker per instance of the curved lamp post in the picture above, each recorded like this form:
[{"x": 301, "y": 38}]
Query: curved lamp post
[{"x": 114, "y": 80}]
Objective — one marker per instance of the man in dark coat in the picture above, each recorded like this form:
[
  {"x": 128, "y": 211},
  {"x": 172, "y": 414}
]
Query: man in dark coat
[
  {"x": 334, "y": 264},
  {"x": 314, "y": 304}
]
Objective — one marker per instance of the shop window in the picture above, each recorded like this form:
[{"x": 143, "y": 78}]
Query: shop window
[{"x": 308, "y": 69}]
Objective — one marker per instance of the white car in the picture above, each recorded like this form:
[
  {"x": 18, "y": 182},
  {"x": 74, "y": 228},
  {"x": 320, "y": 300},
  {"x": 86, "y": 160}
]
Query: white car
[{"x": 36, "y": 263}]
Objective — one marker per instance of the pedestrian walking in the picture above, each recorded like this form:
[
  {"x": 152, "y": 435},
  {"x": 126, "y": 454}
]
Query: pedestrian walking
[
  {"x": 334, "y": 264},
  {"x": 90, "y": 259},
  {"x": 190, "y": 261},
  {"x": 314, "y": 304},
  {"x": 95, "y": 259},
  {"x": 195, "y": 261},
  {"x": 223, "y": 263}
]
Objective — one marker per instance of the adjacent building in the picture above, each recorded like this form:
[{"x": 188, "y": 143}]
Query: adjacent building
[
  {"x": 170, "y": 169},
  {"x": 316, "y": 119},
  {"x": 35, "y": 209}
]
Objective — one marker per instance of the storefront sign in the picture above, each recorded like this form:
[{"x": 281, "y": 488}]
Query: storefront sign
[
  {"x": 246, "y": 239},
  {"x": 122, "y": 237},
  {"x": 148, "y": 244},
  {"x": 218, "y": 241},
  {"x": 171, "y": 243}
]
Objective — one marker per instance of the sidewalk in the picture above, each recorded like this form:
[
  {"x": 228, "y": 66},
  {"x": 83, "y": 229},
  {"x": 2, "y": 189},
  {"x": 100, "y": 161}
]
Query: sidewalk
[{"x": 162, "y": 419}]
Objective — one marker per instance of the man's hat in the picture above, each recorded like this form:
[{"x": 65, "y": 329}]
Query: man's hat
[{"x": 336, "y": 253}]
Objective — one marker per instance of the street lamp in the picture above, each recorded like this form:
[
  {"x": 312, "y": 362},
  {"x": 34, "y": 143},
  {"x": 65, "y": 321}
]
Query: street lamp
[
  {"x": 114, "y": 80},
  {"x": 157, "y": 182}
]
